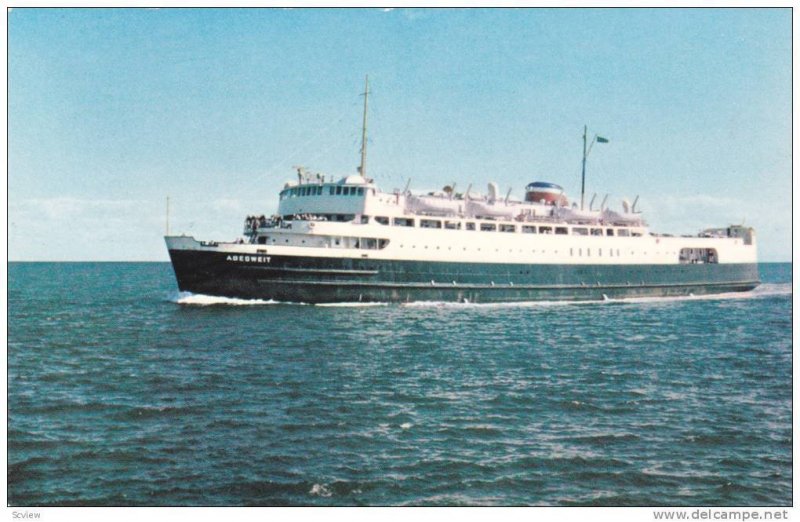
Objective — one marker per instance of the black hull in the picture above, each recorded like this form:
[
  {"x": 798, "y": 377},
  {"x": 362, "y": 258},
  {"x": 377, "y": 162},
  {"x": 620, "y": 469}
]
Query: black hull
[{"x": 326, "y": 280}]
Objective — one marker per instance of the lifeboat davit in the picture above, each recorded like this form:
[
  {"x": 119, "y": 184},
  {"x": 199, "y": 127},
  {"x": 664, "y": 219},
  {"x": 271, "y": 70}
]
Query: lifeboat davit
[{"x": 549, "y": 193}]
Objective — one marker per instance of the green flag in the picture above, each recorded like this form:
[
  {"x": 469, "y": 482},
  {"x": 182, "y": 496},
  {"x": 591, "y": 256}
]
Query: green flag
[{"x": 601, "y": 140}]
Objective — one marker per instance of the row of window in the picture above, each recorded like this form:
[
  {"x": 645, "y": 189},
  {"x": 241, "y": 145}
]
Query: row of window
[
  {"x": 509, "y": 227},
  {"x": 687, "y": 255},
  {"x": 318, "y": 190},
  {"x": 362, "y": 243},
  {"x": 611, "y": 252},
  {"x": 599, "y": 252},
  {"x": 481, "y": 226}
]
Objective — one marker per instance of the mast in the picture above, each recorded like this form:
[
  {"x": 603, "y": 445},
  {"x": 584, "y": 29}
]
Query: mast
[
  {"x": 596, "y": 139},
  {"x": 583, "y": 169},
  {"x": 363, "y": 168}
]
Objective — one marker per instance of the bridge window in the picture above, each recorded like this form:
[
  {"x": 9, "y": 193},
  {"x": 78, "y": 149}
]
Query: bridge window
[
  {"x": 562, "y": 231},
  {"x": 580, "y": 231},
  {"x": 404, "y": 222},
  {"x": 508, "y": 228},
  {"x": 452, "y": 225},
  {"x": 545, "y": 230},
  {"x": 527, "y": 229},
  {"x": 382, "y": 220},
  {"x": 488, "y": 227},
  {"x": 597, "y": 231},
  {"x": 469, "y": 226},
  {"x": 623, "y": 232},
  {"x": 430, "y": 223},
  {"x": 609, "y": 231}
]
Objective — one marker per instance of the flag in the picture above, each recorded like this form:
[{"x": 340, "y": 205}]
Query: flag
[{"x": 601, "y": 140}]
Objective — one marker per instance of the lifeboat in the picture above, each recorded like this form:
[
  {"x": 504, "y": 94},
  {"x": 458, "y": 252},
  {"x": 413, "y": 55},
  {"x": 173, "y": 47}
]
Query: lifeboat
[
  {"x": 578, "y": 215},
  {"x": 496, "y": 210},
  {"x": 434, "y": 205},
  {"x": 549, "y": 193},
  {"x": 615, "y": 218}
]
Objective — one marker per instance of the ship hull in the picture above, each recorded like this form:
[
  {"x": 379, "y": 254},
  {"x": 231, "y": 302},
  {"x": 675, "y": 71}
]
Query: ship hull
[{"x": 310, "y": 279}]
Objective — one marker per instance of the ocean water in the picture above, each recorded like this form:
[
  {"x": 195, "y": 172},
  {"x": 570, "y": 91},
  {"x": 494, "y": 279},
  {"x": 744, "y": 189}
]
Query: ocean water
[{"x": 123, "y": 392}]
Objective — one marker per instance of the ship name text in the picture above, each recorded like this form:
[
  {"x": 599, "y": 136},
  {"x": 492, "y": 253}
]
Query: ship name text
[{"x": 249, "y": 259}]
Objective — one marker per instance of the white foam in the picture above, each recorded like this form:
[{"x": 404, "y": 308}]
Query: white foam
[
  {"x": 320, "y": 490},
  {"x": 760, "y": 292},
  {"x": 517, "y": 304},
  {"x": 354, "y": 304},
  {"x": 188, "y": 298}
]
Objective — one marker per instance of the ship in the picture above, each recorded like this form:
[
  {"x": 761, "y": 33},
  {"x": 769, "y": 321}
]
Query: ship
[{"x": 343, "y": 239}]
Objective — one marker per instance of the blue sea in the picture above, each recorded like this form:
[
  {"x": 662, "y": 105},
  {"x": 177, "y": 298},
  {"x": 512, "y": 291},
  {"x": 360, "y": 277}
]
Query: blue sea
[{"x": 123, "y": 392}]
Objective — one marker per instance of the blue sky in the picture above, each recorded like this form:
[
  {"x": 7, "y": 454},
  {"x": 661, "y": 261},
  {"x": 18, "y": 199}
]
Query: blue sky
[{"x": 111, "y": 110}]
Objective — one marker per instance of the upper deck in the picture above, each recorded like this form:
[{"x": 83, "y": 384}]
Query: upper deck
[
  {"x": 353, "y": 214},
  {"x": 355, "y": 198}
]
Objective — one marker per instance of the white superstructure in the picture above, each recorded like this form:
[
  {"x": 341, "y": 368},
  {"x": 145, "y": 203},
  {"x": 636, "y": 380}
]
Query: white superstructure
[{"x": 325, "y": 218}]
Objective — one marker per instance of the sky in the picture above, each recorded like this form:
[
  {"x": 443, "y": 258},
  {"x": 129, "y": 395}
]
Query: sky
[{"x": 112, "y": 110}]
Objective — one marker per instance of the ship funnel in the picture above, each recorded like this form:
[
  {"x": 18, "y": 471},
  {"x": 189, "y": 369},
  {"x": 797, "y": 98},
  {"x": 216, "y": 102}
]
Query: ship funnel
[
  {"x": 493, "y": 191},
  {"x": 626, "y": 205}
]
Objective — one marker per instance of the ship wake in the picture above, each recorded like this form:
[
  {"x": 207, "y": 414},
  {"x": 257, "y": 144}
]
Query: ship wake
[{"x": 188, "y": 298}]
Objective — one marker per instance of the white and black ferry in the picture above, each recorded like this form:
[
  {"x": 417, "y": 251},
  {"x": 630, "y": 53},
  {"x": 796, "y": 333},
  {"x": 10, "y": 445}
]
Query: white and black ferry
[{"x": 345, "y": 240}]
